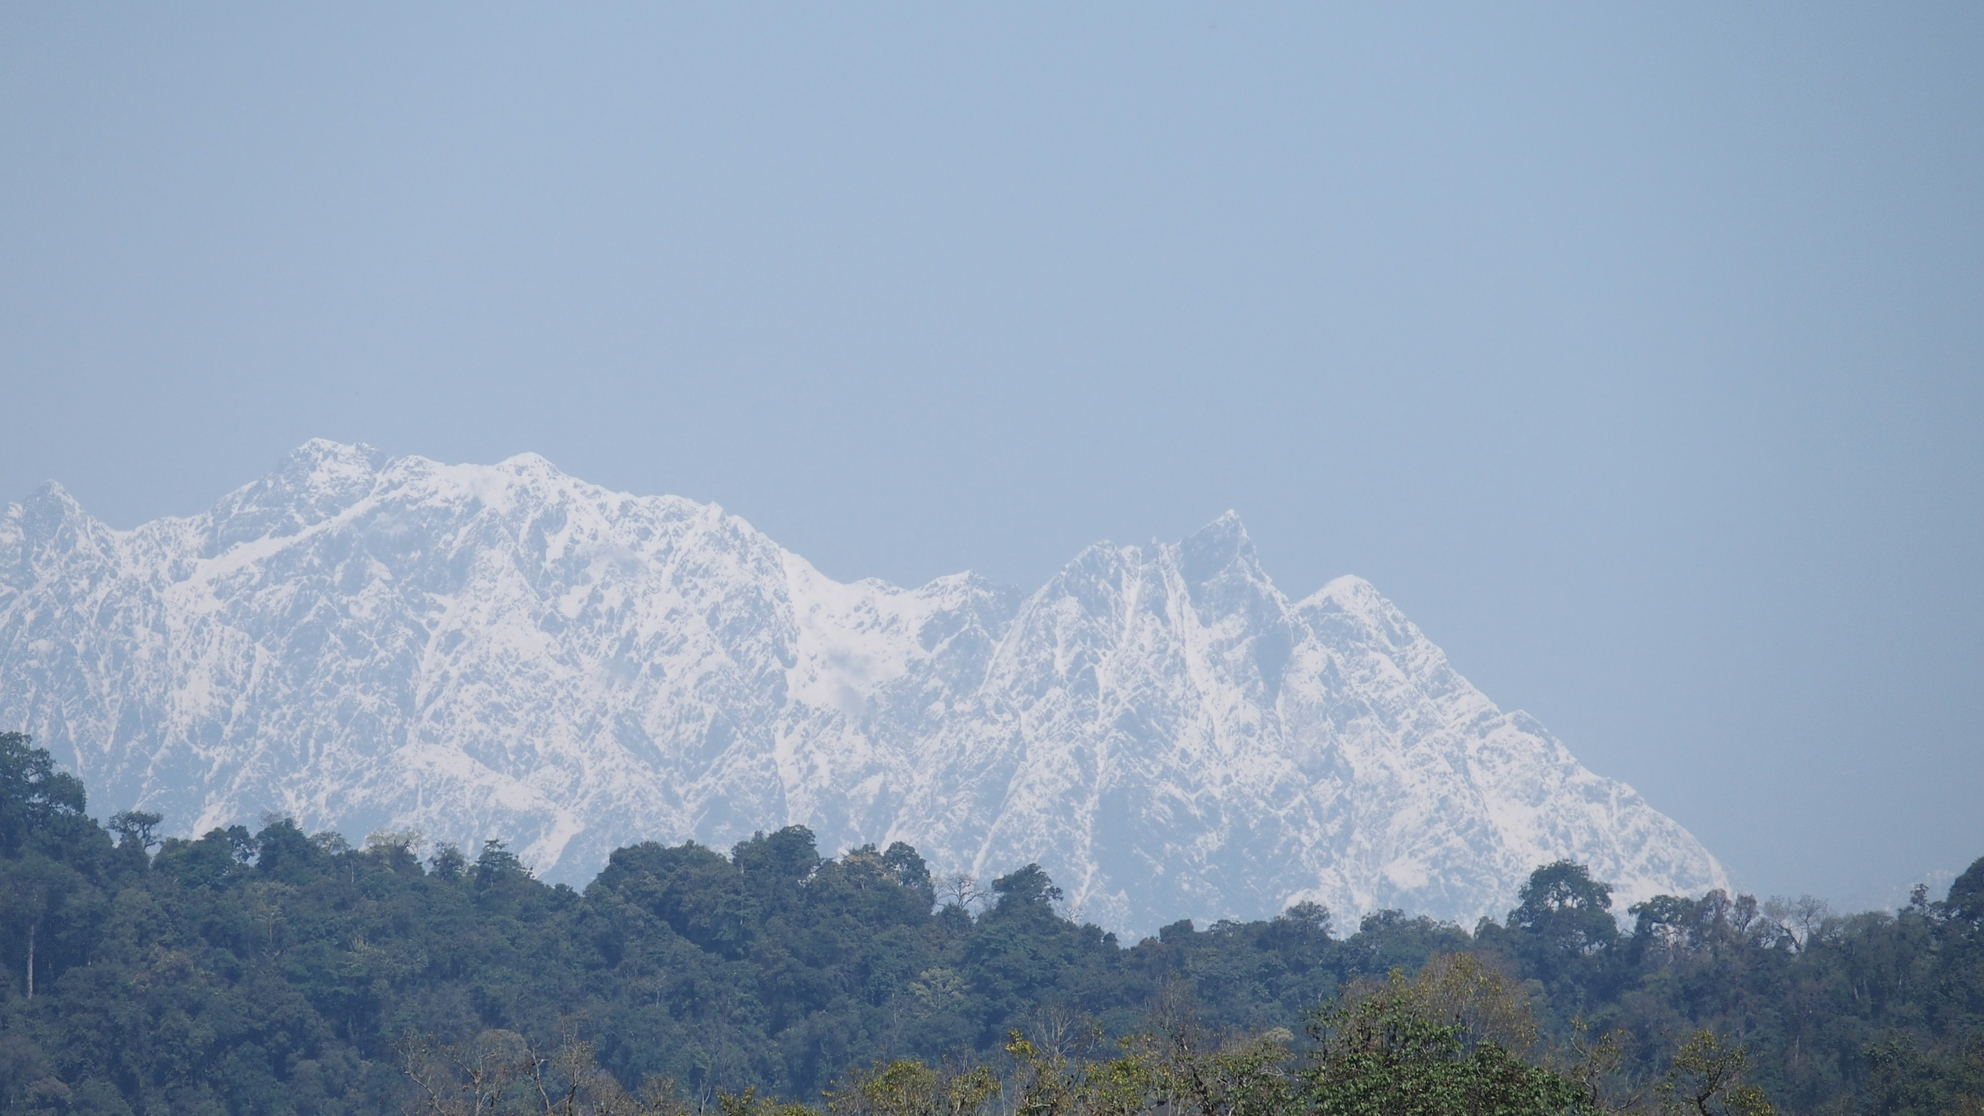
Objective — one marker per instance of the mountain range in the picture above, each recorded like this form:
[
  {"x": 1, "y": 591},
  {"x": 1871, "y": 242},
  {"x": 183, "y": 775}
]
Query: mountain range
[{"x": 369, "y": 644}]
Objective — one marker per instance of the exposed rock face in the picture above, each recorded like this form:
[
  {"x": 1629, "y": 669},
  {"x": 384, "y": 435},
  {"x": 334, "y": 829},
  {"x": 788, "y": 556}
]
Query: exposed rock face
[{"x": 506, "y": 651}]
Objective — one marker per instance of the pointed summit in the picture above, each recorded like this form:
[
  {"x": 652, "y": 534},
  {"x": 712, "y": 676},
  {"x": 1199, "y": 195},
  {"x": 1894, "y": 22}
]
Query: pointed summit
[
  {"x": 49, "y": 511},
  {"x": 1213, "y": 549},
  {"x": 51, "y": 494},
  {"x": 312, "y": 483},
  {"x": 322, "y": 455}
]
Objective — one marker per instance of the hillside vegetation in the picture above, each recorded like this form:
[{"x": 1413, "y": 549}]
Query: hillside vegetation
[{"x": 280, "y": 972}]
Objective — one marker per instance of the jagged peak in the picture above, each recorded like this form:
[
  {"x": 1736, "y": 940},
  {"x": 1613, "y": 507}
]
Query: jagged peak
[
  {"x": 310, "y": 483},
  {"x": 52, "y": 492},
  {"x": 47, "y": 508},
  {"x": 1225, "y": 528},
  {"x": 1348, "y": 590},
  {"x": 1103, "y": 551},
  {"x": 49, "y": 513},
  {"x": 1200, "y": 556},
  {"x": 318, "y": 467},
  {"x": 323, "y": 464},
  {"x": 970, "y": 580},
  {"x": 1217, "y": 547},
  {"x": 321, "y": 452},
  {"x": 325, "y": 446}
]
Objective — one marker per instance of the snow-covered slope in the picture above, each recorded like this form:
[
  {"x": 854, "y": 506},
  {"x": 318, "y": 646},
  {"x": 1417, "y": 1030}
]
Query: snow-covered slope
[{"x": 473, "y": 651}]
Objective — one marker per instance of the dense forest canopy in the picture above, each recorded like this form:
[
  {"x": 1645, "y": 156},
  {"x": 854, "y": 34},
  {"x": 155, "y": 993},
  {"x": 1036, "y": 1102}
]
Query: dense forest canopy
[{"x": 282, "y": 972}]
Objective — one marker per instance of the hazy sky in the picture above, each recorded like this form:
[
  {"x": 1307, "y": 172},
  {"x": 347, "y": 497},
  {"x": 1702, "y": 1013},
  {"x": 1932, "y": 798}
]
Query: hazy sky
[{"x": 1636, "y": 351}]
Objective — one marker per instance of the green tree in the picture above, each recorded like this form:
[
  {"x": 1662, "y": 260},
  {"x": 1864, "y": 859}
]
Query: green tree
[
  {"x": 1565, "y": 910},
  {"x": 35, "y": 798},
  {"x": 1400, "y": 1049},
  {"x": 1708, "y": 1079}
]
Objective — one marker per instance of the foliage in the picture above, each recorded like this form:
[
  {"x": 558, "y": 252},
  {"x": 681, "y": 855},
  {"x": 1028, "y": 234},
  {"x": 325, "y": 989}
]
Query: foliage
[
  {"x": 1436, "y": 1044},
  {"x": 1706, "y": 1079},
  {"x": 281, "y": 972}
]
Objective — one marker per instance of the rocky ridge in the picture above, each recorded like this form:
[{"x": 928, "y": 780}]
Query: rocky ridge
[{"x": 368, "y": 643}]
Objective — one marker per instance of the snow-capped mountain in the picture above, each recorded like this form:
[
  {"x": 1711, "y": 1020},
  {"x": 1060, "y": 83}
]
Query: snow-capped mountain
[{"x": 368, "y": 643}]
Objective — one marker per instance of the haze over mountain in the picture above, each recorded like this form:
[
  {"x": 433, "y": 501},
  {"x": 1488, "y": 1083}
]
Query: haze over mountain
[{"x": 505, "y": 651}]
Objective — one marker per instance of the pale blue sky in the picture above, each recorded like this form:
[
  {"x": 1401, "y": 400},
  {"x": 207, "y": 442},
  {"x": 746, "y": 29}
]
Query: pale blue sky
[{"x": 1636, "y": 351}]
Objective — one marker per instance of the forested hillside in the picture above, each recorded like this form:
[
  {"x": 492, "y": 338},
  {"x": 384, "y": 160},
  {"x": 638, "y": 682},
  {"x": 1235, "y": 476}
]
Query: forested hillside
[{"x": 280, "y": 972}]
